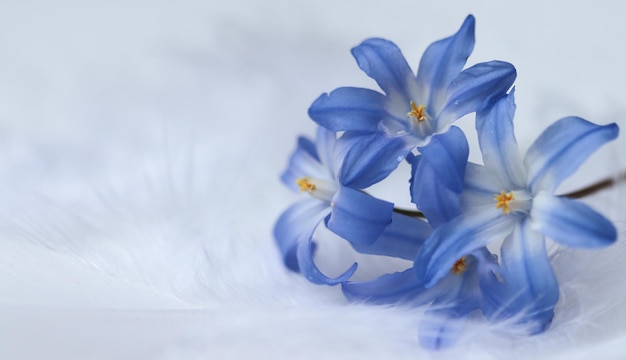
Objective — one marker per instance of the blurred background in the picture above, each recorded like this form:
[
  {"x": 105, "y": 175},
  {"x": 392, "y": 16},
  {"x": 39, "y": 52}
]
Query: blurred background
[{"x": 140, "y": 148}]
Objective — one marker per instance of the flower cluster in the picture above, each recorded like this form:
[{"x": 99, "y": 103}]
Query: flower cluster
[{"x": 470, "y": 210}]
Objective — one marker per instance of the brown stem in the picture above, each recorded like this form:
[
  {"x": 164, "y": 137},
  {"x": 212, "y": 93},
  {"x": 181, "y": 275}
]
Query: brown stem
[
  {"x": 413, "y": 213},
  {"x": 586, "y": 191},
  {"x": 597, "y": 186}
]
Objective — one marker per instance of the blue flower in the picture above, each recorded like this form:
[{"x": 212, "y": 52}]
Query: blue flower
[
  {"x": 413, "y": 108},
  {"x": 459, "y": 292},
  {"x": 451, "y": 300},
  {"x": 331, "y": 175},
  {"x": 514, "y": 200}
]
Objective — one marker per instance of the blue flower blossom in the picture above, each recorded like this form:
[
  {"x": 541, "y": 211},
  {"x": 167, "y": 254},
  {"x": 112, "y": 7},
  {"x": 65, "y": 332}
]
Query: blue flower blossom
[
  {"x": 514, "y": 200},
  {"x": 331, "y": 175},
  {"x": 451, "y": 300},
  {"x": 364, "y": 135},
  {"x": 459, "y": 292},
  {"x": 413, "y": 108},
  {"x": 455, "y": 296}
]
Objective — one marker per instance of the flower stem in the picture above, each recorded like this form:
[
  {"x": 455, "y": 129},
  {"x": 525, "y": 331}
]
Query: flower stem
[{"x": 597, "y": 186}]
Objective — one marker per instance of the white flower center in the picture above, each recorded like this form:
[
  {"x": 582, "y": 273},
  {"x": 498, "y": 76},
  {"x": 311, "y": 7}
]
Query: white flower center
[{"x": 320, "y": 189}]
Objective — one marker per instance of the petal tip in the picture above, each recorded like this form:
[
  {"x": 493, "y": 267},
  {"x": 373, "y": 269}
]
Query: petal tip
[
  {"x": 469, "y": 23},
  {"x": 315, "y": 106}
]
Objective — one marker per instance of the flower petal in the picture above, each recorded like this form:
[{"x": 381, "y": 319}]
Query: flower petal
[
  {"x": 383, "y": 61},
  {"x": 460, "y": 237},
  {"x": 443, "y": 323},
  {"x": 480, "y": 186},
  {"x": 498, "y": 145},
  {"x": 442, "y": 62},
  {"x": 294, "y": 225},
  {"x": 396, "y": 288},
  {"x": 365, "y": 159},
  {"x": 441, "y": 328},
  {"x": 561, "y": 149},
  {"x": 312, "y": 272},
  {"x": 304, "y": 162},
  {"x": 475, "y": 89},
  {"x": 358, "y": 217},
  {"x": 571, "y": 222},
  {"x": 435, "y": 200},
  {"x": 528, "y": 291},
  {"x": 447, "y": 155},
  {"x": 325, "y": 146},
  {"x": 402, "y": 238},
  {"x": 350, "y": 109}
]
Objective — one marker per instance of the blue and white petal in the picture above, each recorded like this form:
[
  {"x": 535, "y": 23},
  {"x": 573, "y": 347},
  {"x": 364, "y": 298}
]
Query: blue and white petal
[
  {"x": 304, "y": 162},
  {"x": 383, "y": 61},
  {"x": 441, "y": 328},
  {"x": 442, "y": 62},
  {"x": 358, "y": 217},
  {"x": 481, "y": 184},
  {"x": 461, "y": 237},
  {"x": 294, "y": 225},
  {"x": 325, "y": 146},
  {"x": 349, "y": 109},
  {"x": 475, "y": 89},
  {"x": 498, "y": 145},
  {"x": 571, "y": 222},
  {"x": 443, "y": 322},
  {"x": 528, "y": 290},
  {"x": 561, "y": 149}
]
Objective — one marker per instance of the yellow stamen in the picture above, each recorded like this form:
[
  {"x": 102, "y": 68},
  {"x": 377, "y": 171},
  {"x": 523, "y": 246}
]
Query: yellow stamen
[
  {"x": 305, "y": 184},
  {"x": 417, "y": 112},
  {"x": 502, "y": 201},
  {"x": 459, "y": 266}
]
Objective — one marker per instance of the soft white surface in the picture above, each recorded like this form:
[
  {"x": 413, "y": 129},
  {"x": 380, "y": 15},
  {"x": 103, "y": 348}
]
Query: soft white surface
[{"x": 141, "y": 143}]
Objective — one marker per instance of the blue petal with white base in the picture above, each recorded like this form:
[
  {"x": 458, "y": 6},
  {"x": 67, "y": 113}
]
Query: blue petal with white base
[
  {"x": 498, "y": 144},
  {"x": 527, "y": 290},
  {"x": 442, "y": 61},
  {"x": 458, "y": 238},
  {"x": 475, "y": 88},
  {"x": 571, "y": 223},
  {"x": 562, "y": 148},
  {"x": 383, "y": 61},
  {"x": 304, "y": 162},
  {"x": 443, "y": 322},
  {"x": 294, "y": 224}
]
